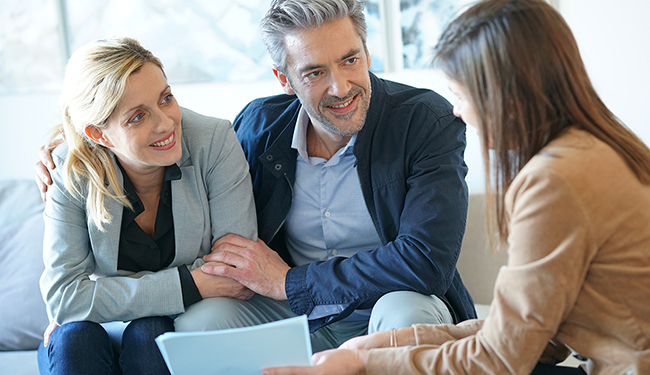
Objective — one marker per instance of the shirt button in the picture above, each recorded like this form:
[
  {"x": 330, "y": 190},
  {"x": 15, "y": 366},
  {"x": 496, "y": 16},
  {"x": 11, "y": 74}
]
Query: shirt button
[
  {"x": 334, "y": 252},
  {"x": 278, "y": 167},
  {"x": 327, "y": 213}
]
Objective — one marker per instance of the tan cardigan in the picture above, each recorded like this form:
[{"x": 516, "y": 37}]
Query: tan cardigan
[{"x": 578, "y": 271}]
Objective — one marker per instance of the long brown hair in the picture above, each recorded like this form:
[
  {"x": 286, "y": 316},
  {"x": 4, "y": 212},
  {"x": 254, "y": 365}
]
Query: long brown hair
[{"x": 521, "y": 67}]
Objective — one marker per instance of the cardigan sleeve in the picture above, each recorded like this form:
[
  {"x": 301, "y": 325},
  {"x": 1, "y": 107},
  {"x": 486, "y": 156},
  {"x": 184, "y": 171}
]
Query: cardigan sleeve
[{"x": 550, "y": 250}]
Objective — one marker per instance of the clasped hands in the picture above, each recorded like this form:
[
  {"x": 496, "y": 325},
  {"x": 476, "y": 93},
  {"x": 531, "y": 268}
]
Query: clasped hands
[
  {"x": 244, "y": 267},
  {"x": 251, "y": 263}
]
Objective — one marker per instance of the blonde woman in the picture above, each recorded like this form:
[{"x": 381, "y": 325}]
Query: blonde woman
[
  {"x": 141, "y": 190},
  {"x": 569, "y": 187}
]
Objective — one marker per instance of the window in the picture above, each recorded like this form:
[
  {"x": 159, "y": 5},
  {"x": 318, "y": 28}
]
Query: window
[{"x": 197, "y": 40}]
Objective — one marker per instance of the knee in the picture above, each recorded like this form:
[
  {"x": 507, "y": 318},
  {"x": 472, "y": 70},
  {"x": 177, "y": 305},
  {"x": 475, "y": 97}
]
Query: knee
[
  {"x": 213, "y": 314},
  {"x": 147, "y": 329},
  {"x": 77, "y": 347},
  {"x": 79, "y": 334},
  {"x": 403, "y": 309}
]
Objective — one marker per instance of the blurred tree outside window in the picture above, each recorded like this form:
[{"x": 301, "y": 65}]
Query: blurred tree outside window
[{"x": 197, "y": 40}]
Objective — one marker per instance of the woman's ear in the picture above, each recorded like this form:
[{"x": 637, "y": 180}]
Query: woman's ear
[{"x": 97, "y": 135}]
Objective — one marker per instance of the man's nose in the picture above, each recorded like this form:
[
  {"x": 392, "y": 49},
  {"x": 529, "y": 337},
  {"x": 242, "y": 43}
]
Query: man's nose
[{"x": 339, "y": 85}]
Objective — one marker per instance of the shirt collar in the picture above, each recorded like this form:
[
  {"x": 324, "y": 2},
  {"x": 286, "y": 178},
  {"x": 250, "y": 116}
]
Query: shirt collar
[
  {"x": 172, "y": 172},
  {"x": 299, "y": 140}
]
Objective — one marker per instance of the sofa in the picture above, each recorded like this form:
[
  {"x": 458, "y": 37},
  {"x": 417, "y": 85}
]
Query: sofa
[{"x": 22, "y": 310}]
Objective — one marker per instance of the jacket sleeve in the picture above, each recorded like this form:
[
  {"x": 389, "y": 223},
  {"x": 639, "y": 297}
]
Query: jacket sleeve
[
  {"x": 551, "y": 247},
  {"x": 419, "y": 205},
  {"x": 69, "y": 287},
  {"x": 230, "y": 194},
  {"x": 226, "y": 180}
]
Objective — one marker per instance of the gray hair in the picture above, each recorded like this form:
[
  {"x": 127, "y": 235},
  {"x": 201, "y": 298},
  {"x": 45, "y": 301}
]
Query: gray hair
[{"x": 288, "y": 16}]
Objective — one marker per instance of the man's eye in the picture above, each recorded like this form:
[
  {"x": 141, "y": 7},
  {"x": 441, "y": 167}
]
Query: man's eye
[
  {"x": 314, "y": 74},
  {"x": 352, "y": 60}
]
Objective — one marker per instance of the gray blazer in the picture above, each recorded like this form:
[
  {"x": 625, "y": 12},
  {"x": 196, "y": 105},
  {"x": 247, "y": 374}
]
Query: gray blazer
[{"x": 213, "y": 198}]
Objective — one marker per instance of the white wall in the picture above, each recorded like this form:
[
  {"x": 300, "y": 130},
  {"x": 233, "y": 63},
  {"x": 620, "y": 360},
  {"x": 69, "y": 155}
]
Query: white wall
[{"x": 614, "y": 38}]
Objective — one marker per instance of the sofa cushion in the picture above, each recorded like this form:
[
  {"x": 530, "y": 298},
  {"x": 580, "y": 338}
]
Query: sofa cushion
[{"x": 22, "y": 313}]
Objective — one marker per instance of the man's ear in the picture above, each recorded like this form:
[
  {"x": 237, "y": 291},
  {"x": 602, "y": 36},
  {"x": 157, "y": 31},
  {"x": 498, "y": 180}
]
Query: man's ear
[
  {"x": 284, "y": 81},
  {"x": 97, "y": 135}
]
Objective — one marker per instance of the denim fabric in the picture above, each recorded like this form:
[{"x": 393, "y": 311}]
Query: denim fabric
[
  {"x": 85, "y": 348},
  {"x": 412, "y": 176}
]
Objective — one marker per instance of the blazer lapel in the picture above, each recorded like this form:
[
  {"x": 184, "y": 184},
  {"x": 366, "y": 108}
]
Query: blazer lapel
[
  {"x": 188, "y": 212},
  {"x": 188, "y": 216}
]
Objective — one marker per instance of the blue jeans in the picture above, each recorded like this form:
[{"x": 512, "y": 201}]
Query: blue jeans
[{"x": 85, "y": 348}]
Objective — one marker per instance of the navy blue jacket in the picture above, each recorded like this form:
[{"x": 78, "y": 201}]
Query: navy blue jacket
[{"x": 412, "y": 174}]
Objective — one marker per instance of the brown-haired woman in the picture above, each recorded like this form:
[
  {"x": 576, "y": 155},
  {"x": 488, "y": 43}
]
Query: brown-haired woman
[{"x": 568, "y": 191}]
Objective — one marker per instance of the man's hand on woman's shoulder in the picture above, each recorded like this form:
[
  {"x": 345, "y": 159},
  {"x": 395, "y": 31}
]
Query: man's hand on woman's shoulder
[{"x": 44, "y": 164}]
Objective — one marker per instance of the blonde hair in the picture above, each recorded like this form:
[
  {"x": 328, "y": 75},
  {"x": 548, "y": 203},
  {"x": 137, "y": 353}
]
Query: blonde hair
[
  {"x": 522, "y": 69},
  {"x": 94, "y": 83}
]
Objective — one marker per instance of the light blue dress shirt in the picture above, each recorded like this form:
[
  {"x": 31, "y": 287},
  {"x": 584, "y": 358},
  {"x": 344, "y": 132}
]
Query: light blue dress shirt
[{"x": 328, "y": 216}]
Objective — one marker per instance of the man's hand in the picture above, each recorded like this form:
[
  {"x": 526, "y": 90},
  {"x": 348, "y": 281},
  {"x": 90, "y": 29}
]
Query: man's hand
[
  {"x": 219, "y": 286},
  {"x": 43, "y": 178},
  {"x": 251, "y": 263}
]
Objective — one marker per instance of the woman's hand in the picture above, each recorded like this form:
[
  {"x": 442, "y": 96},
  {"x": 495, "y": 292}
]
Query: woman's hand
[
  {"x": 400, "y": 337},
  {"x": 375, "y": 340},
  {"x": 48, "y": 332},
  {"x": 252, "y": 263},
  {"x": 329, "y": 362},
  {"x": 219, "y": 286}
]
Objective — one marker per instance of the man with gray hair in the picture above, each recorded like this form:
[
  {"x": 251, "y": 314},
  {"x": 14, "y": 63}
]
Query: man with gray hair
[{"x": 359, "y": 186}]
